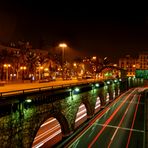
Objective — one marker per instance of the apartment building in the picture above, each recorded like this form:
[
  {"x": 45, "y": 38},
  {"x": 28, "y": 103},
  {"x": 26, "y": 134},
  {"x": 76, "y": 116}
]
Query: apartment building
[
  {"x": 129, "y": 64},
  {"x": 142, "y": 61}
]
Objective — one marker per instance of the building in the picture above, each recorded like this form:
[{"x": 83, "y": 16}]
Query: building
[
  {"x": 143, "y": 61},
  {"x": 129, "y": 64}
]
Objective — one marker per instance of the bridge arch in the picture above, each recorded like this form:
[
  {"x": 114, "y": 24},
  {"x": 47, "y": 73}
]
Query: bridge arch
[
  {"x": 87, "y": 112},
  {"x": 88, "y": 108},
  {"x": 60, "y": 122},
  {"x": 81, "y": 115},
  {"x": 97, "y": 105}
]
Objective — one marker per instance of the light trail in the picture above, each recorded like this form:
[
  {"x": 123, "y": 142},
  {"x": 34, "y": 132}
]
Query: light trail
[
  {"x": 109, "y": 120},
  {"x": 112, "y": 138},
  {"x": 133, "y": 123},
  {"x": 47, "y": 132},
  {"x": 48, "y": 122},
  {"x": 47, "y": 139}
]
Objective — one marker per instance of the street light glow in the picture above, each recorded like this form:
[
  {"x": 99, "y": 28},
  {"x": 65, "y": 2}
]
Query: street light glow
[
  {"x": 7, "y": 65},
  {"x": 94, "y": 57},
  {"x": 23, "y": 67},
  {"x": 28, "y": 100},
  {"x": 74, "y": 64},
  {"x": 77, "y": 89},
  {"x": 63, "y": 45},
  {"x": 108, "y": 82},
  {"x": 97, "y": 85}
]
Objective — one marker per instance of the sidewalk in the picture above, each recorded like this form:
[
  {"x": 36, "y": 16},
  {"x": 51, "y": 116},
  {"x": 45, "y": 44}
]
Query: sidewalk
[
  {"x": 34, "y": 85},
  {"x": 23, "y": 86}
]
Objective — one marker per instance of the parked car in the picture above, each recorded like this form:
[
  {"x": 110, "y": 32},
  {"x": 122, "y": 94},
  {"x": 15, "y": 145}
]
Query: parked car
[
  {"x": 43, "y": 80},
  {"x": 87, "y": 77}
]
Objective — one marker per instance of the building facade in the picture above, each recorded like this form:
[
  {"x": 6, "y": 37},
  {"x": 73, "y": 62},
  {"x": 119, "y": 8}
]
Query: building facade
[
  {"x": 142, "y": 61},
  {"x": 129, "y": 64}
]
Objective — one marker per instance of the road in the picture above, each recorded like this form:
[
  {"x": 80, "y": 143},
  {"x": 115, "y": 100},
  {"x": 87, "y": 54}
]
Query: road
[{"x": 121, "y": 124}]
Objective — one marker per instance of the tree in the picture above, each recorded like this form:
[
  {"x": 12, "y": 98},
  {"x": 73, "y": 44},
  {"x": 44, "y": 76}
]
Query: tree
[
  {"x": 31, "y": 62},
  {"x": 5, "y": 57}
]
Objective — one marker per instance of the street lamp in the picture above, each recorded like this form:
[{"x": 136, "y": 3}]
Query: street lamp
[
  {"x": 40, "y": 68},
  {"x": 63, "y": 46},
  {"x": 23, "y": 68},
  {"x": 7, "y": 66}
]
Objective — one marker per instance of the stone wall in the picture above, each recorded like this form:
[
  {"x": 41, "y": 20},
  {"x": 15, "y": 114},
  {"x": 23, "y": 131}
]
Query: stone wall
[{"x": 18, "y": 128}]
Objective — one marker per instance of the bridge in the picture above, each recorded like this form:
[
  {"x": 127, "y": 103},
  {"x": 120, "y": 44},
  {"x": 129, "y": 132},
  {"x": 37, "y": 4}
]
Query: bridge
[{"x": 23, "y": 112}]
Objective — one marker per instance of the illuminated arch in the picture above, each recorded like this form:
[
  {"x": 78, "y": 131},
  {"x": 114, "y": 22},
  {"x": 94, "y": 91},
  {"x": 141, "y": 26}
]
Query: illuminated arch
[
  {"x": 87, "y": 111},
  {"x": 61, "y": 125},
  {"x": 97, "y": 104}
]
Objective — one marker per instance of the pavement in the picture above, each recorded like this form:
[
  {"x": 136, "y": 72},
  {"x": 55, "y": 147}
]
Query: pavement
[
  {"x": 24, "y": 86},
  {"x": 36, "y": 85}
]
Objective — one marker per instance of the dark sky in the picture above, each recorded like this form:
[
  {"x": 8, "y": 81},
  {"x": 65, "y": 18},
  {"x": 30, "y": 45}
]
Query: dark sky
[{"x": 92, "y": 28}]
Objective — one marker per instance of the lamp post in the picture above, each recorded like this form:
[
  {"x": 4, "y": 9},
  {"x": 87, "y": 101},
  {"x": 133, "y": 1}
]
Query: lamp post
[
  {"x": 40, "y": 68},
  {"x": 7, "y": 74},
  {"x": 63, "y": 46},
  {"x": 23, "y": 68}
]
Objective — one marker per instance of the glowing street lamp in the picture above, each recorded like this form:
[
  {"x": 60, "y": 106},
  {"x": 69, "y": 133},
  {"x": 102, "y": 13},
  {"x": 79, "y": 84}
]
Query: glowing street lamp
[
  {"x": 94, "y": 57},
  {"x": 7, "y": 66},
  {"x": 63, "y": 46},
  {"x": 74, "y": 64}
]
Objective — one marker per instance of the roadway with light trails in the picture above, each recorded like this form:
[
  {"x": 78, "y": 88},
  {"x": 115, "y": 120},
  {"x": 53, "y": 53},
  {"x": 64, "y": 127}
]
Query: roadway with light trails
[{"x": 121, "y": 124}]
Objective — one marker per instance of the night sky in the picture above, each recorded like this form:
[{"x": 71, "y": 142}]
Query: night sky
[{"x": 93, "y": 29}]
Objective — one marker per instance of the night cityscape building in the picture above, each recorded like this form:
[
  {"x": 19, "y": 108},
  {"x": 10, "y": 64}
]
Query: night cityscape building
[
  {"x": 142, "y": 60},
  {"x": 129, "y": 64}
]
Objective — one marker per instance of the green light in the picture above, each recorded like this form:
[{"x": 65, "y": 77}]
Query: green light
[
  {"x": 97, "y": 85},
  {"x": 106, "y": 74},
  {"x": 108, "y": 82},
  {"x": 28, "y": 100},
  {"x": 77, "y": 89},
  {"x": 115, "y": 81},
  {"x": 120, "y": 80}
]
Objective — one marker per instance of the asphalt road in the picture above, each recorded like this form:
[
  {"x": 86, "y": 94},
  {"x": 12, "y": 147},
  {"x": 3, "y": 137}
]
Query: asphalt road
[{"x": 120, "y": 125}]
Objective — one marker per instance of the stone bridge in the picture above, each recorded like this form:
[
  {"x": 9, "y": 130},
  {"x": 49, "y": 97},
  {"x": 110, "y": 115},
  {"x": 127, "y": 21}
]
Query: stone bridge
[{"x": 21, "y": 115}]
